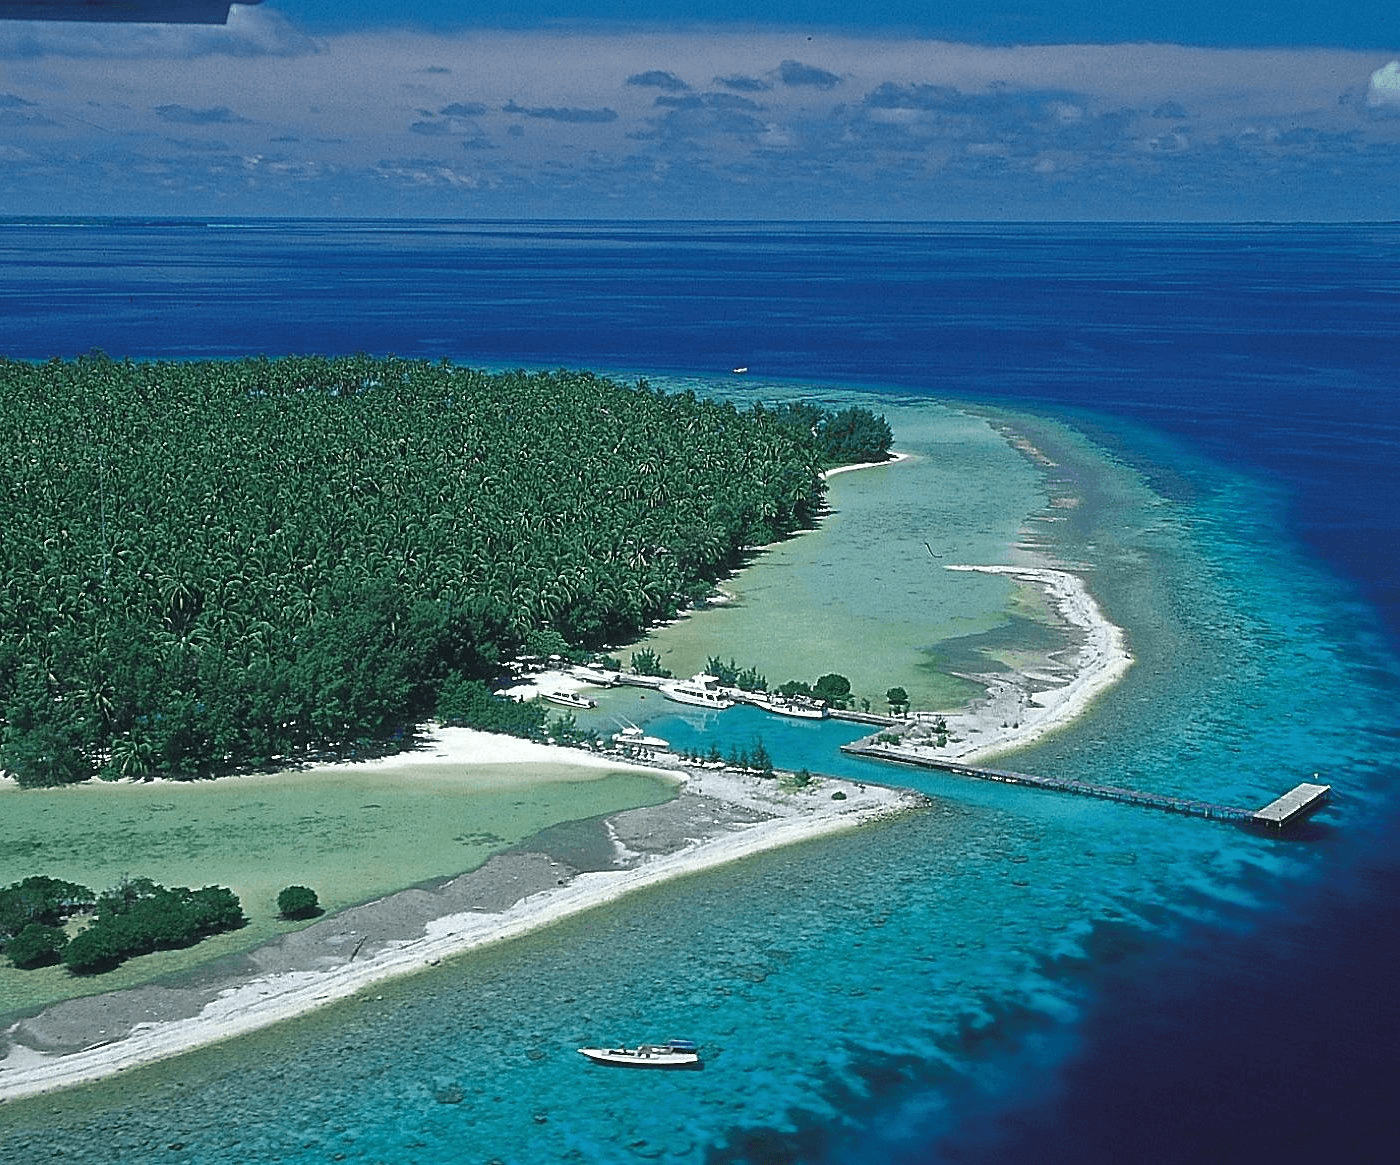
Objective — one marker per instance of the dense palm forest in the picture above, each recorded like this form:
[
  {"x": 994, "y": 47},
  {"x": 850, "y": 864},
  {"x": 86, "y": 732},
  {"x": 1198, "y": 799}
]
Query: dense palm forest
[{"x": 214, "y": 565}]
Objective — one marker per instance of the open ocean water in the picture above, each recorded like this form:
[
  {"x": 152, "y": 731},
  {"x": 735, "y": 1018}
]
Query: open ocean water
[{"x": 1010, "y": 976}]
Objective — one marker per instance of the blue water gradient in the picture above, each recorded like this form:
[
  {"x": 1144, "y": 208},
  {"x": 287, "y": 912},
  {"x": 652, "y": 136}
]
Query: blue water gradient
[{"x": 1009, "y": 975}]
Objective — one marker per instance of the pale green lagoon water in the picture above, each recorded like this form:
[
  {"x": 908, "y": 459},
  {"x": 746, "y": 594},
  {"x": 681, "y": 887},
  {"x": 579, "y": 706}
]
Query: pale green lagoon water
[
  {"x": 351, "y": 834},
  {"x": 862, "y": 595}
]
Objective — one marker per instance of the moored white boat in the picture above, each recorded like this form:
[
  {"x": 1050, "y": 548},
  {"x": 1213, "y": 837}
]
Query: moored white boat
[
  {"x": 701, "y": 690},
  {"x": 634, "y": 737},
  {"x": 799, "y": 707},
  {"x": 570, "y": 699},
  {"x": 671, "y": 1054}
]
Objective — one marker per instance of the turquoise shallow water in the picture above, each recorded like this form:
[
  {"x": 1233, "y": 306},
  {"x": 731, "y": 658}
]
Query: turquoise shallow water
[{"x": 900, "y": 969}]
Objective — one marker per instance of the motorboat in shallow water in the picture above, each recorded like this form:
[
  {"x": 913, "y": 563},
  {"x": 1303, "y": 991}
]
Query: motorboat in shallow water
[
  {"x": 671, "y": 1054},
  {"x": 634, "y": 737},
  {"x": 799, "y": 707},
  {"x": 570, "y": 699},
  {"x": 702, "y": 691}
]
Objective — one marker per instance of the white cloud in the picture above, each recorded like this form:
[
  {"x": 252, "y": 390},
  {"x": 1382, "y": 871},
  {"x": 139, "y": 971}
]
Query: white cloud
[
  {"x": 540, "y": 110},
  {"x": 1383, "y": 93}
]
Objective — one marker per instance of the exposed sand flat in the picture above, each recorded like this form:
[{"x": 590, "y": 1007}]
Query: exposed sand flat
[
  {"x": 719, "y": 817},
  {"x": 1020, "y": 708}
]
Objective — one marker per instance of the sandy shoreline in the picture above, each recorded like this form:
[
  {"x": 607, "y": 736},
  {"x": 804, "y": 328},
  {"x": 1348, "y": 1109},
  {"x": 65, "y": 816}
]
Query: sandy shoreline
[
  {"x": 718, "y": 817},
  {"x": 1023, "y": 706}
]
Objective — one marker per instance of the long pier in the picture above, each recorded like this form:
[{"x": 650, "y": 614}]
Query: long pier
[{"x": 1292, "y": 807}]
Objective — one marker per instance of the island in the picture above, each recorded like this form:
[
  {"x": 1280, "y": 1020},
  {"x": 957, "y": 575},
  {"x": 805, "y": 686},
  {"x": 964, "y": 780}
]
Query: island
[{"x": 319, "y": 565}]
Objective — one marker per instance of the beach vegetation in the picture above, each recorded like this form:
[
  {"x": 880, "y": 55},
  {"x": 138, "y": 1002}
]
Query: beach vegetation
[
  {"x": 139, "y": 916},
  {"x": 298, "y": 902},
  {"x": 470, "y": 703},
  {"x": 40, "y": 900},
  {"x": 851, "y": 436},
  {"x": 731, "y": 675},
  {"x": 759, "y": 759},
  {"x": 647, "y": 663},
  {"x": 210, "y": 566},
  {"x": 37, "y": 945},
  {"x": 834, "y": 689},
  {"x": 898, "y": 700}
]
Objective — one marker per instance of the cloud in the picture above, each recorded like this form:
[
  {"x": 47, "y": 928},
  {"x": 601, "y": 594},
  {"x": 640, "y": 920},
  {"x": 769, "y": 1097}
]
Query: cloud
[
  {"x": 10, "y": 101},
  {"x": 744, "y": 84},
  {"x": 566, "y": 113},
  {"x": 658, "y": 79},
  {"x": 184, "y": 115},
  {"x": 250, "y": 32},
  {"x": 795, "y": 73},
  {"x": 463, "y": 109},
  {"x": 1383, "y": 93},
  {"x": 1170, "y": 111}
]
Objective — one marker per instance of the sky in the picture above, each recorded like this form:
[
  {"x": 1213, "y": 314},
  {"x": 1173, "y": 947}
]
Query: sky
[{"x": 1280, "y": 110}]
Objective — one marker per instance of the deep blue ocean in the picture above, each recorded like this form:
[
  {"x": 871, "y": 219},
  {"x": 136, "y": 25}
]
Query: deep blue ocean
[{"x": 1010, "y": 977}]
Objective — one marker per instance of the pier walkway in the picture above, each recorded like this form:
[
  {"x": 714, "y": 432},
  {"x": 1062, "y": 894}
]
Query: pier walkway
[{"x": 1286, "y": 810}]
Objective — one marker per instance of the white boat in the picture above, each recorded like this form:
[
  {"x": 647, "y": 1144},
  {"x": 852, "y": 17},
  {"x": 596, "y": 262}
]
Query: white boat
[
  {"x": 569, "y": 699},
  {"x": 671, "y": 1054},
  {"x": 596, "y": 675},
  {"x": 634, "y": 737},
  {"x": 799, "y": 707},
  {"x": 701, "y": 691}
]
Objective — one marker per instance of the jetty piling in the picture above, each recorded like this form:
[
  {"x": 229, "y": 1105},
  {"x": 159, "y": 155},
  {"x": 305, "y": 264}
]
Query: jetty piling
[{"x": 1279, "y": 814}]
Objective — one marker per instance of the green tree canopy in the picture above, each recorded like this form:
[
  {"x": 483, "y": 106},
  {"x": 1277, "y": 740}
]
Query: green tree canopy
[{"x": 216, "y": 565}]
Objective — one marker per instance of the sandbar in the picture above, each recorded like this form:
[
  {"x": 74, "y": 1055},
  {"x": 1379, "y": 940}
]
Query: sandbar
[{"x": 718, "y": 816}]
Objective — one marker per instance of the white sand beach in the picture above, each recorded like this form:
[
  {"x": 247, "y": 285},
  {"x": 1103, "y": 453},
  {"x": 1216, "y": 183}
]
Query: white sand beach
[
  {"x": 719, "y": 817},
  {"x": 1022, "y": 707}
]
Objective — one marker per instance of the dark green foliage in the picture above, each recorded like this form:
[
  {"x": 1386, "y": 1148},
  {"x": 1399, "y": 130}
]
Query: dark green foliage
[
  {"x": 647, "y": 663},
  {"x": 898, "y": 699},
  {"x": 847, "y": 437},
  {"x": 97, "y": 948},
  {"x": 854, "y": 435},
  {"x": 834, "y": 689},
  {"x": 36, "y": 946},
  {"x": 564, "y": 729},
  {"x": 212, "y": 565},
  {"x": 298, "y": 902},
  {"x": 140, "y": 916},
  {"x": 731, "y": 675},
  {"x": 39, "y": 900},
  {"x": 468, "y": 703},
  {"x": 795, "y": 688},
  {"x": 759, "y": 759}
]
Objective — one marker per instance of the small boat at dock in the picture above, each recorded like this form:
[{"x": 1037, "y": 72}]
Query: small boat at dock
[
  {"x": 671, "y": 1054},
  {"x": 570, "y": 699},
  {"x": 702, "y": 691},
  {"x": 798, "y": 707}
]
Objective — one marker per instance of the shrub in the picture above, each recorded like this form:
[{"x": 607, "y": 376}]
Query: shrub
[
  {"x": 36, "y": 945},
  {"x": 298, "y": 902}
]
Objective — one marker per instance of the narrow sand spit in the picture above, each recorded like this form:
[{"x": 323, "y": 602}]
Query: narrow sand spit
[
  {"x": 718, "y": 817},
  {"x": 1020, "y": 708},
  {"x": 894, "y": 459}
]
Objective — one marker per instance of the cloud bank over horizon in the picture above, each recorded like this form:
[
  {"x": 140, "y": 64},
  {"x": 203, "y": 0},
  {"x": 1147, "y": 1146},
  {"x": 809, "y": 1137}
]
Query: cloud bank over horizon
[{"x": 661, "y": 123}]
